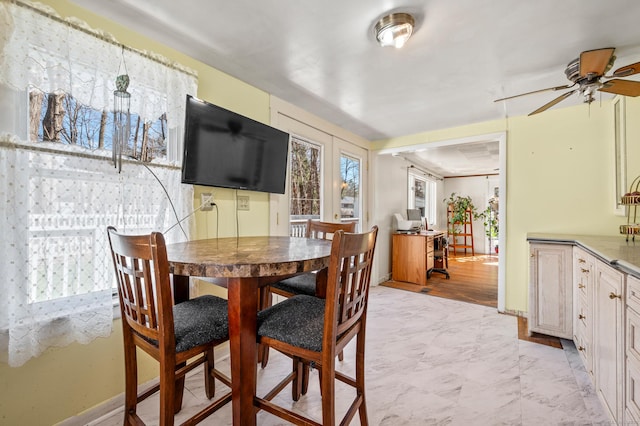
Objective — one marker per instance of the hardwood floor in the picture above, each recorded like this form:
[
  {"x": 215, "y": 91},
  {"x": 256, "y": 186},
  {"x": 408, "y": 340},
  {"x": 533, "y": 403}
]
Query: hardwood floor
[{"x": 474, "y": 279}]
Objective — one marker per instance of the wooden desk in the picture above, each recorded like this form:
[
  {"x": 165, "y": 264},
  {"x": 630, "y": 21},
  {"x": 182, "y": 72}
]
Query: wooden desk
[
  {"x": 247, "y": 263},
  {"x": 413, "y": 256}
]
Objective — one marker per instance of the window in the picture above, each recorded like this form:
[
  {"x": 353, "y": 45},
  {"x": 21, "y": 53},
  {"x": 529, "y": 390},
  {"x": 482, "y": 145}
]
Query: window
[
  {"x": 350, "y": 188},
  {"x": 422, "y": 193},
  {"x": 59, "y": 189},
  {"x": 306, "y": 172}
]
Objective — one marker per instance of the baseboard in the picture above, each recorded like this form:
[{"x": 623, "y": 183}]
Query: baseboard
[
  {"x": 514, "y": 313},
  {"x": 107, "y": 408},
  {"x": 384, "y": 278},
  {"x": 100, "y": 411}
]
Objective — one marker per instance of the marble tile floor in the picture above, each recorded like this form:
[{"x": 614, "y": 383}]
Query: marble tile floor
[{"x": 433, "y": 361}]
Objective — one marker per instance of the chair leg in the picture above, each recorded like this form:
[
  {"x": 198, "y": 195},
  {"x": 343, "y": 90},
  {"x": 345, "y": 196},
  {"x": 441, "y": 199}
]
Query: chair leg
[
  {"x": 296, "y": 385},
  {"x": 131, "y": 380},
  {"x": 266, "y": 300},
  {"x": 179, "y": 390},
  {"x": 306, "y": 371},
  {"x": 360, "y": 388},
  {"x": 327, "y": 389},
  {"x": 168, "y": 385},
  {"x": 209, "y": 379}
]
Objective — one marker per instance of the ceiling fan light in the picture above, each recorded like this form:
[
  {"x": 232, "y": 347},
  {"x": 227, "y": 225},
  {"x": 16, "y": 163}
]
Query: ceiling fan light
[{"x": 394, "y": 29}]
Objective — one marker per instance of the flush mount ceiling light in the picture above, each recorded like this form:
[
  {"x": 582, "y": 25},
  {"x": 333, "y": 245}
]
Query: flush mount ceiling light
[{"x": 394, "y": 29}]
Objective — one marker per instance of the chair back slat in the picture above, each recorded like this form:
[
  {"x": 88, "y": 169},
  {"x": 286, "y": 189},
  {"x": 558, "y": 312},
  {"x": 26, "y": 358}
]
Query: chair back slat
[
  {"x": 326, "y": 230},
  {"x": 144, "y": 292},
  {"x": 349, "y": 280}
]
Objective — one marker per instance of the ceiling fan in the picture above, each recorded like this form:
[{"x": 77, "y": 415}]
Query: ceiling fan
[{"x": 587, "y": 72}]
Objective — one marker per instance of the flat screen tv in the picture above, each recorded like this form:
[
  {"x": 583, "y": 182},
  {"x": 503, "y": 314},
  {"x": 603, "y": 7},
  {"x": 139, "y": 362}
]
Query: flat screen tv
[{"x": 225, "y": 149}]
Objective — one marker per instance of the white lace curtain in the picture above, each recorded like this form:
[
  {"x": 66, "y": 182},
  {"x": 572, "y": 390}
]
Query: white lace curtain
[{"x": 56, "y": 200}]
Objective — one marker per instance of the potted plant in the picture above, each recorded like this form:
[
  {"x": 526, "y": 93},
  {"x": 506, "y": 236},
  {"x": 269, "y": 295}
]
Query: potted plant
[
  {"x": 490, "y": 219},
  {"x": 458, "y": 206}
]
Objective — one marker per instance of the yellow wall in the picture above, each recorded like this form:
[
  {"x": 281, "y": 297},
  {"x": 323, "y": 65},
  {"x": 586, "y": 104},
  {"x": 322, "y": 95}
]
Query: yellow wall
[{"x": 559, "y": 177}]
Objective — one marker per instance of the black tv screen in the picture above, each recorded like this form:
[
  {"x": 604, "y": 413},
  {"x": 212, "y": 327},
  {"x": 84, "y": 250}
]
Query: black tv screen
[{"x": 225, "y": 149}]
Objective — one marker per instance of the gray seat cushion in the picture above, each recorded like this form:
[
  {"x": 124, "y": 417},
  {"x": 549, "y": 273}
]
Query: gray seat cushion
[
  {"x": 300, "y": 284},
  {"x": 298, "y": 321},
  {"x": 199, "y": 321}
]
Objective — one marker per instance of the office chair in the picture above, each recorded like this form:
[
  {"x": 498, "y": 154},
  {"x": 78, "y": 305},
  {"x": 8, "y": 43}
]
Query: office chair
[{"x": 441, "y": 258}]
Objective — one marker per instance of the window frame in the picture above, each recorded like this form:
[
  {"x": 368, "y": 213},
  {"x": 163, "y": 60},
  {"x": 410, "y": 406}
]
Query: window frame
[{"x": 430, "y": 212}]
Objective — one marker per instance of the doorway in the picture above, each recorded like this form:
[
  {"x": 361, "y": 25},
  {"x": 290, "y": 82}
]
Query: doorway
[{"x": 407, "y": 156}]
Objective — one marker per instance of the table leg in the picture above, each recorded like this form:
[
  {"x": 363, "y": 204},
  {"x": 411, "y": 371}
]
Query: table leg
[
  {"x": 243, "y": 307},
  {"x": 180, "y": 288},
  {"x": 180, "y": 294}
]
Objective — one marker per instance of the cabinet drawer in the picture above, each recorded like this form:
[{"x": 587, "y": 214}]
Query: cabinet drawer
[
  {"x": 633, "y": 293},
  {"x": 633, "y": 336},
  {"x": 632, "y": 398},
  {"x": 429, "y": 245},
  {"x": 584, "y": 349},
  {"x": 582, "y": 314},
  {"x": 583, "y": 271}
]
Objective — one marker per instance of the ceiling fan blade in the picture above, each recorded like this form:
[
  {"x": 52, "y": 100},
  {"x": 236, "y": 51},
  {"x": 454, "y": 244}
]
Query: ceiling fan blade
[
  {"x": 553, "y": 102},
  {"x": 628, "y": 70},
  {"x": 567, "y": 86},
  {"x": 596, "y": 62},
  {"x": 621, "y": 87}
]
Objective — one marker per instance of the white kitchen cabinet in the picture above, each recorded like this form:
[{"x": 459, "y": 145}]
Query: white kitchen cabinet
[
  {"x": 550, "y": 290},
  {"x": 608, "y": 338}
]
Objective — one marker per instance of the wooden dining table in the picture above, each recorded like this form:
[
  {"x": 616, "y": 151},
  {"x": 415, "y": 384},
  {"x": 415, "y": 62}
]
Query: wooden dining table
[{"x": 244, "y": 265}]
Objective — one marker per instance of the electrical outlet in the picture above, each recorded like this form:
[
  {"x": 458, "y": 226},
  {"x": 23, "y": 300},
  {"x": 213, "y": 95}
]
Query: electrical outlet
[
  {"x": 206, "y": 201},
  {"x": 243, "y": 202}
]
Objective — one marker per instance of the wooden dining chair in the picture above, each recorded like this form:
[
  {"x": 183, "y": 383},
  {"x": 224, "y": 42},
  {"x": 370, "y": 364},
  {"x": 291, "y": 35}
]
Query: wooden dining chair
[
  {"x": 313, "y": 330},
  {"x": 306, "y": 283},
  {"x": 171, "y": 334}
]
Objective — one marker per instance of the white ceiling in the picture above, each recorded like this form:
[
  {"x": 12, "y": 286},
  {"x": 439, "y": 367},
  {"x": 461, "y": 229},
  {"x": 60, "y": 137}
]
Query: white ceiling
[{"x": 322, "y": 55}]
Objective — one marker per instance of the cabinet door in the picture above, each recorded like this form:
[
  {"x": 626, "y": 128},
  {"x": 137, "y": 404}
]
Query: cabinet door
[
  {"x": 409, "y": 261},
  {"x": 608, "y": 338},
  {"x": 550, "y": 294}
]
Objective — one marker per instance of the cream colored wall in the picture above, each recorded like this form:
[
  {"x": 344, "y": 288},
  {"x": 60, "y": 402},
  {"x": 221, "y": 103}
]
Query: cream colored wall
[{"x": 559, "y": 177}]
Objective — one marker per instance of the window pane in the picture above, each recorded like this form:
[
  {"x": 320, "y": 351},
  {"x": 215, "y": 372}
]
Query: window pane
[
  {"x": 305, "y": 184},
  {"x": 59, "y": 117},
  {"x": 422, "y": 193},
  {"x": 350, "y": 189}
]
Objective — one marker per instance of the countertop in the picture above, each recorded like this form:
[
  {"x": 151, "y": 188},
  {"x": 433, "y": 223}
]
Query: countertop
[{"x": 624, "y": 255}]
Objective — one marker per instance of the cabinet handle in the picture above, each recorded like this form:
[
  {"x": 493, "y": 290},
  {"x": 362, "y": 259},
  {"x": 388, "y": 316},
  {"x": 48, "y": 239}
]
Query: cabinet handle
[
  {"x": 581, "y": 286},
  {"x": 614, "y": 296},
  {"x": 581, "y": 316},
  {"x": 581, "y": 260},
  {"x": 581, "y": 348},
  {"x": 585, "y": 271}
]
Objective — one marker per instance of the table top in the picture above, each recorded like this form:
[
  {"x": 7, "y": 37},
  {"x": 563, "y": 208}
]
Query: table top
[{"x": 248, "y": 256}]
